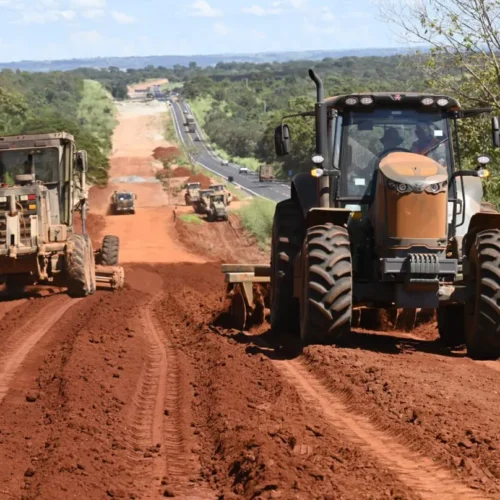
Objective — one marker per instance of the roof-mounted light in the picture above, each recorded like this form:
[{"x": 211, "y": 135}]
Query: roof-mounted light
[
  {"x": 483, "y": 159},
  {"x": 351, "y": 101},
  {"x": 427, "y": 101},
  {"x": 442, "y": 102},
  {"x": 366, "y": 101}
]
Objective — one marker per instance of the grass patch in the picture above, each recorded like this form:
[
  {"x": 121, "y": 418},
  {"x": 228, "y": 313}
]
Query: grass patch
[
  {"x": 190, "y": 218},
  {"x": 97, "y": 113},
  {"x": 200, "y": 107},
  {"x": 167, "y": 87},
  {"x": 257, "y": 218}
]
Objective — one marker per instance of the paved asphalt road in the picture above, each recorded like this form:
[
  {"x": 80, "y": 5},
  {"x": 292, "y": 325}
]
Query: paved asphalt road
[{"x": 275, "y": 191}]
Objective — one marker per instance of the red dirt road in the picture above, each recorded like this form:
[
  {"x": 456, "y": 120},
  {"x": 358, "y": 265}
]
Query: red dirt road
[{"x": 143, "y": 394}]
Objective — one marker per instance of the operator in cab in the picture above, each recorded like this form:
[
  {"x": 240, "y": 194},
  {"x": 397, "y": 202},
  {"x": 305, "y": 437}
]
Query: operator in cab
[{"x": 391, "y": 139}]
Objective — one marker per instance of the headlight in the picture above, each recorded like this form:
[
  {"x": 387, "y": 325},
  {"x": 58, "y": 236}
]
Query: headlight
[
  {"x": 442, "y": 102},
  {"x": 402, "y": 188},
  {"x": 433, "y": 188},
  {"x": 317, "y": 172},
  {"x": 351, "y": 101},
  {"x": 366, "y": 101},
  {"x": 317, "y": 159},
  {"x": 392, "y": 185},
  {"x": 427, "y": 101}
]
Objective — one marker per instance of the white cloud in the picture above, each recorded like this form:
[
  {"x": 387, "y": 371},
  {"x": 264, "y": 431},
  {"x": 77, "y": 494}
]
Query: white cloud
[
  {"x": 296, "y": 4},
  {"x": 48, "y": 16},
  {"x": 327, "y": 15},
  {"x": 89, "y": 4},
  {"x": 90, "y": 37},
  {"x": 93, "y": 13},
  {"x": 122, "y": 18},
  {"x": 257, "y": 10},
  {"x": 201, "y": 8},
  {"x": 221, "y": 29}
]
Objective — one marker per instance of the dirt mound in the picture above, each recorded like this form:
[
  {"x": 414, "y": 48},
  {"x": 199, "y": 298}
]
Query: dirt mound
[
  {"x": 223, "y": 241},
  {"x": 161, "y": 153},
  {"x": 202, "y": 179},
  {"x": 181, "y": 172}
]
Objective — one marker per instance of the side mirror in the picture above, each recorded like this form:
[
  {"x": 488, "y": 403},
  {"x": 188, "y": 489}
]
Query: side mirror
[
  {"x": 282, "y": 140},
  {"x": 495, "y": 129},
  {"x": 81, "y": 161}
]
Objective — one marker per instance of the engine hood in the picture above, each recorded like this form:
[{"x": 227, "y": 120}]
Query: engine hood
[{"x": 411, "y": 168}]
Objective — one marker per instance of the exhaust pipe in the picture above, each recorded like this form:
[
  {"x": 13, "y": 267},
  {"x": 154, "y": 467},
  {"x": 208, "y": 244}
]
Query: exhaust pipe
[
  {"x": 12, "y": 205},
  {"x": 321, "y": 117},
  {"x": 320, "y": 89}
]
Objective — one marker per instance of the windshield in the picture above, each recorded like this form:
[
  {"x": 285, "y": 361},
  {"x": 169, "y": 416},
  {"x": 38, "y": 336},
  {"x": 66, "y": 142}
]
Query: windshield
[
  {"x": 17, "y": 162},
  {"x": 217, "y": 198},
  {"x": 193, "y": 186},
  {"x": 124, "y": 196},
  {"x": 366, "y": 137},
  {"x": 218, "y": 188}
]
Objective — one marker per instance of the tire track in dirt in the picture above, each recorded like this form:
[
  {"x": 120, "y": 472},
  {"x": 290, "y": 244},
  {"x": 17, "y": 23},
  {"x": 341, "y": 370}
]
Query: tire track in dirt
[
  {"x": 156, "y": 422},
  {"x": 25, "y": 338},
  {"x": 421, "y": 474}
]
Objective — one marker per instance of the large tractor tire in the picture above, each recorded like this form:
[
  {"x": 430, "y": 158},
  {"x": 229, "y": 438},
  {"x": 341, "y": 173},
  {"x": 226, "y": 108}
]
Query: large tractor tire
[
  {"x": 326, "y": 302},
  {"x": 110, "y": 250},
  {"x": 482, "y": 312},
  {"x": 78, "y": 276},
  {"x": 287, "y": 236},
  {"x": 451, "y": 327}
]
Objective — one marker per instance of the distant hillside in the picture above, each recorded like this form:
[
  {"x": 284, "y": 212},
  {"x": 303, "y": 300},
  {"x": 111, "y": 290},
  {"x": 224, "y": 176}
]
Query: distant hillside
[{"x": 200, "y": 60}]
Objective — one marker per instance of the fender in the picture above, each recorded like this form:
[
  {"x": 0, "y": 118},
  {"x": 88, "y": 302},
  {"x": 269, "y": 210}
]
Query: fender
[
  {"x": 480, "y": 222},
  {"x": 305, "y": 193}
]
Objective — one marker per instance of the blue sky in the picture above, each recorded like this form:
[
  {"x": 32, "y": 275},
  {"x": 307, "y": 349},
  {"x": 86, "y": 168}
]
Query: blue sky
[{"x": 64, "y": 29}]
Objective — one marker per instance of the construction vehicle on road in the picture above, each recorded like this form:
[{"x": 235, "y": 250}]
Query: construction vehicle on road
[
  {"x": 266, "y": 173},
  {"x": 215, "y": 207},
  {"x": 123, "y": 202},
  {"x": 221, "y": 189},
  {"x": 190, "y": 123},
  {"x": 385, "y": 218},
  {"x": 192, "y": 193},
  {"x": 43, "y": 184}
]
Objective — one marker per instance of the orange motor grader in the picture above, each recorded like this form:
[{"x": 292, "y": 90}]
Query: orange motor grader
[{"x": 385, "y": 218}]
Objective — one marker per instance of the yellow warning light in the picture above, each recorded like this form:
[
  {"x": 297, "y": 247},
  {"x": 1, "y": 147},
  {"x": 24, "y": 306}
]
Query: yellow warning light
[{"x": 32, "y": 207}]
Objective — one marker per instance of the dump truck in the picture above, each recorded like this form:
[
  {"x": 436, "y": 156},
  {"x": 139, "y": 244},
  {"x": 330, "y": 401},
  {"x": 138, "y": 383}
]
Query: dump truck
[
  {"x": 42, "y": 186},
  {"x": 386, "y": 217},
  {"x": 200, "y": 205},
  {"x": 192, "y": 193},
  {"x": 221, "y": 189},
  {"x": 216, "y": 208},
  {"x": 123, "y": 202},
  {"x": 190, "y": 124},
  {"x": 266, "y": 173}
]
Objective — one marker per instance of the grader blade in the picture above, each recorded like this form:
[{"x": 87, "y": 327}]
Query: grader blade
[
  {"x": 247, "y": 293},
  {"x": 110, "y": 277}
]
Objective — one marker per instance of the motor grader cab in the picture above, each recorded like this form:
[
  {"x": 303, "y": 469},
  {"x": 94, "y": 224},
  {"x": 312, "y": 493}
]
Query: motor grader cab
[
  {"x": 192, "y": 193},
  {"x": 217, "y": 209},
  {"x": 385, "y": 218},
  {"x": 123, "y": 202},
  {"x": 42, "y": 185},
  {"x": 221, "y": 189}
]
